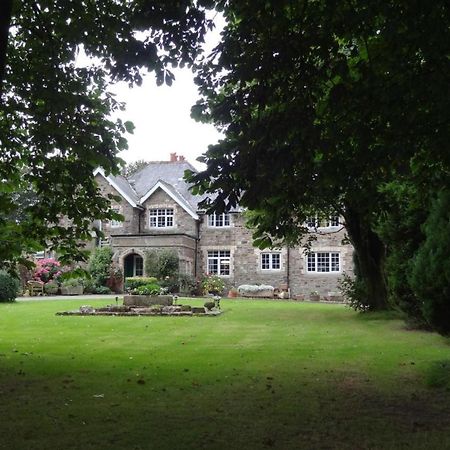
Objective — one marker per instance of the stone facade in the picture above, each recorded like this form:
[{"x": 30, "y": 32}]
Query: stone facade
[{"x": 200, "y": 244}]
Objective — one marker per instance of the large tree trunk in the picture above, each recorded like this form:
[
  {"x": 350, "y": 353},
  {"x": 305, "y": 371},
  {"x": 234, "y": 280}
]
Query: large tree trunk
[
  {"x": 370, "y": 256},
  {"x": 5, "y": 22}
]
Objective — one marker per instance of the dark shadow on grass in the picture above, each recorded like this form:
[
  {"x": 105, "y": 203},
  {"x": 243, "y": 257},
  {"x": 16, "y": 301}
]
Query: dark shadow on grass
[
  {"x": 381, "y": 315},
  {"x": 438, "y": 375}
]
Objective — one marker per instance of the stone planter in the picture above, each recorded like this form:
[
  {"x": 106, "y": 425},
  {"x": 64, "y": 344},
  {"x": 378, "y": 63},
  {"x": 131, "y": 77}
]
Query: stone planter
[
  {"x": 147, "y": 300},
  {"x": 72, "y": 290},
  {"x": 255, "y": 291}
]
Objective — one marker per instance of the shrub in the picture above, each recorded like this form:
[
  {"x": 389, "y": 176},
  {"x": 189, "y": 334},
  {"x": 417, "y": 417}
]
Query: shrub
[
  {"x": 161, "y": 263},
  {"x": 171, "y": 284},
  {"x": 213, "y": 284},
  {"x": 88, "y": 286},
  {"x": 186, "y": 308},
  {"x": 51, "y": 288},
  {"x": 189, "y": 285},
  {"x": 430, "y": 277},
  {"x": 72, "y": 282},
  {"x": 47, "y": 269},
  {"x": 9, "y": 287},
  {"x": 135, "y": 282},
  {"x": 101, "y": 290},
  {"x": 209, "y": 305},
  {"x": 148, "y": 289},
  {"x": 354, "y": 291},
  {"x": 99, "y": 265}
]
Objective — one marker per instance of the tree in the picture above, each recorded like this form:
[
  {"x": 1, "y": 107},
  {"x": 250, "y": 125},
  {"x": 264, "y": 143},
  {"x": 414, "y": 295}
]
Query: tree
[
  {"x": 133, "y": 167},
  {"x": 55, "y": 125},
  {"x": 321, "y": 104},
  {"x": 430, "y": 275}
]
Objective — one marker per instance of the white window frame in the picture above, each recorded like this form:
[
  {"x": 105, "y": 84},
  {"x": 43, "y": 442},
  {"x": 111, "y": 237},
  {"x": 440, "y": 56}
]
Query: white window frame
[
  {"x": 273, "y": 259},
  {"x": 222, "y": 220},
  {"x": 321, "y": 223},
  {"x": 115, "y": 223},
  {"x": 161, "y": 213},
  {"x": 222, "y": 259},
  {"x": 323, "y": 260},
  {"x": 141, "y": 271}
]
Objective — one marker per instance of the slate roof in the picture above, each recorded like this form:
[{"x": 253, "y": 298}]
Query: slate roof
[
  {"x": 171, "y": 174},
  {"x": 122, "y": 183}
]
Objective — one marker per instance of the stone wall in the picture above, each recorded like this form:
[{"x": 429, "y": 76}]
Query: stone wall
[
  {"x": 246, "y": 259},
  {"x": 183, "y": 221},
  {"x": 135, "y": 236},
  {"x": 131, "y": 223}
]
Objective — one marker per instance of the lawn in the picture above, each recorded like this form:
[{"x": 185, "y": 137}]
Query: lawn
[{"x": 265, "y": 374}]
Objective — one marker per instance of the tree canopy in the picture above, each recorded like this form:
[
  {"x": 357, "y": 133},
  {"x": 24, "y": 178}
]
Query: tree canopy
[
  {"x": 55, "y": 125},
  {"x": 322, "y": 104}
]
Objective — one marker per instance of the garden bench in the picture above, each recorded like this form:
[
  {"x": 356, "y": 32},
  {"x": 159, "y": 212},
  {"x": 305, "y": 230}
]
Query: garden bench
[{"x": 35, "y": 287}]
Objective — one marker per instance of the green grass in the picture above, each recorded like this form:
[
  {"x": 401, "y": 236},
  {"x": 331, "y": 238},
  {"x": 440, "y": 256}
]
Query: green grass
[{"x": 265, "y": 374}]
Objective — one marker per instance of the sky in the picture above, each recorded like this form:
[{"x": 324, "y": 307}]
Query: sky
[{"x": 161, "y": 115}]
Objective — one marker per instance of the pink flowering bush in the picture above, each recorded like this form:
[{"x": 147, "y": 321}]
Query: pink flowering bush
[{"x": 47, "y": 269}]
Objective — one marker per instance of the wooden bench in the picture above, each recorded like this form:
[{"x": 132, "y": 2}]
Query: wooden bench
[{"x": 35, "y": 287}]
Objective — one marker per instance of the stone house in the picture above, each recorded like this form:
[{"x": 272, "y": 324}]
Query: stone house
[{"x": 161, "y": 213}]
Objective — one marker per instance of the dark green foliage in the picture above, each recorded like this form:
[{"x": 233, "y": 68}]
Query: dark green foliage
[
  {"x": 430, "y": 277},
  {"x": 172, "y": 284},
  {"x": 56, "y": 122},
  {"x": 161, "y": 264},
  {"x": 99, "y": 266},
  {"x": 9, "y": 287},
  {"x": 355, "y": 292},
  {"x": 186, "y": 307},
  {"x": 329, "y": 101},
  {"x": 401, "y": 227},
  {"x": 209, "y": 305},
  {"x": 188, "y": 285},
  {"x": 101, "y": 290},
  {"x": 135, "y": 282}
]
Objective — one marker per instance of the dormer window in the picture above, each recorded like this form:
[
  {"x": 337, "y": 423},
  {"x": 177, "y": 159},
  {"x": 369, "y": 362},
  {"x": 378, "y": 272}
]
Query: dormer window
[
  {"x": 219, "y": 220},
  {"x": 161, "y": 217}
]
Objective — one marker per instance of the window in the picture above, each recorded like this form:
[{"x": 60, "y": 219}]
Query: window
[
  {"x": 138, "y": 266},
  {"x": 219, "y": 262},
  {"x": 40, "y": 255},
  {"x": 323, "y": 262},
  {"x": 270, "y": 261},
  {"x": 219, "y": 220},
  {"x": 161, "y": 217},
  {"x": 115, "y": 223},
  {"x": 322, "y": 222}
]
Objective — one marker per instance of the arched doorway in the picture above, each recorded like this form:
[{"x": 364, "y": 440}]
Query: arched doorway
[{"x": 133, "y": 265}]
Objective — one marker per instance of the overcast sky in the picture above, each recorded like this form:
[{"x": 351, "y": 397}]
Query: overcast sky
[{"x": 161, "y": 115}]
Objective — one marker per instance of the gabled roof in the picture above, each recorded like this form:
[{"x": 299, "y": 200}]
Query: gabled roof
[
  {"x": 171, "y": 173},
  {"x": 173, "y": 194},
  {"x": 165, "y": 175},
  {"x": 121, "y": 185}
]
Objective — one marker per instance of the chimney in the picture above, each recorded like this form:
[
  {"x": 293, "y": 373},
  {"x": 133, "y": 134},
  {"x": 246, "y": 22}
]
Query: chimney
[
  {"x": 181, "y": 158},
  {"x": 173, "y": 157}
]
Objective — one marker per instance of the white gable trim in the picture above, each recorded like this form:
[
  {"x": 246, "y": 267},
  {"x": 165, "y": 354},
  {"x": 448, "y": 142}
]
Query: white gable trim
[
  {"x": 100, "y": 171},
  {"x": 160, "y": 185}
]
